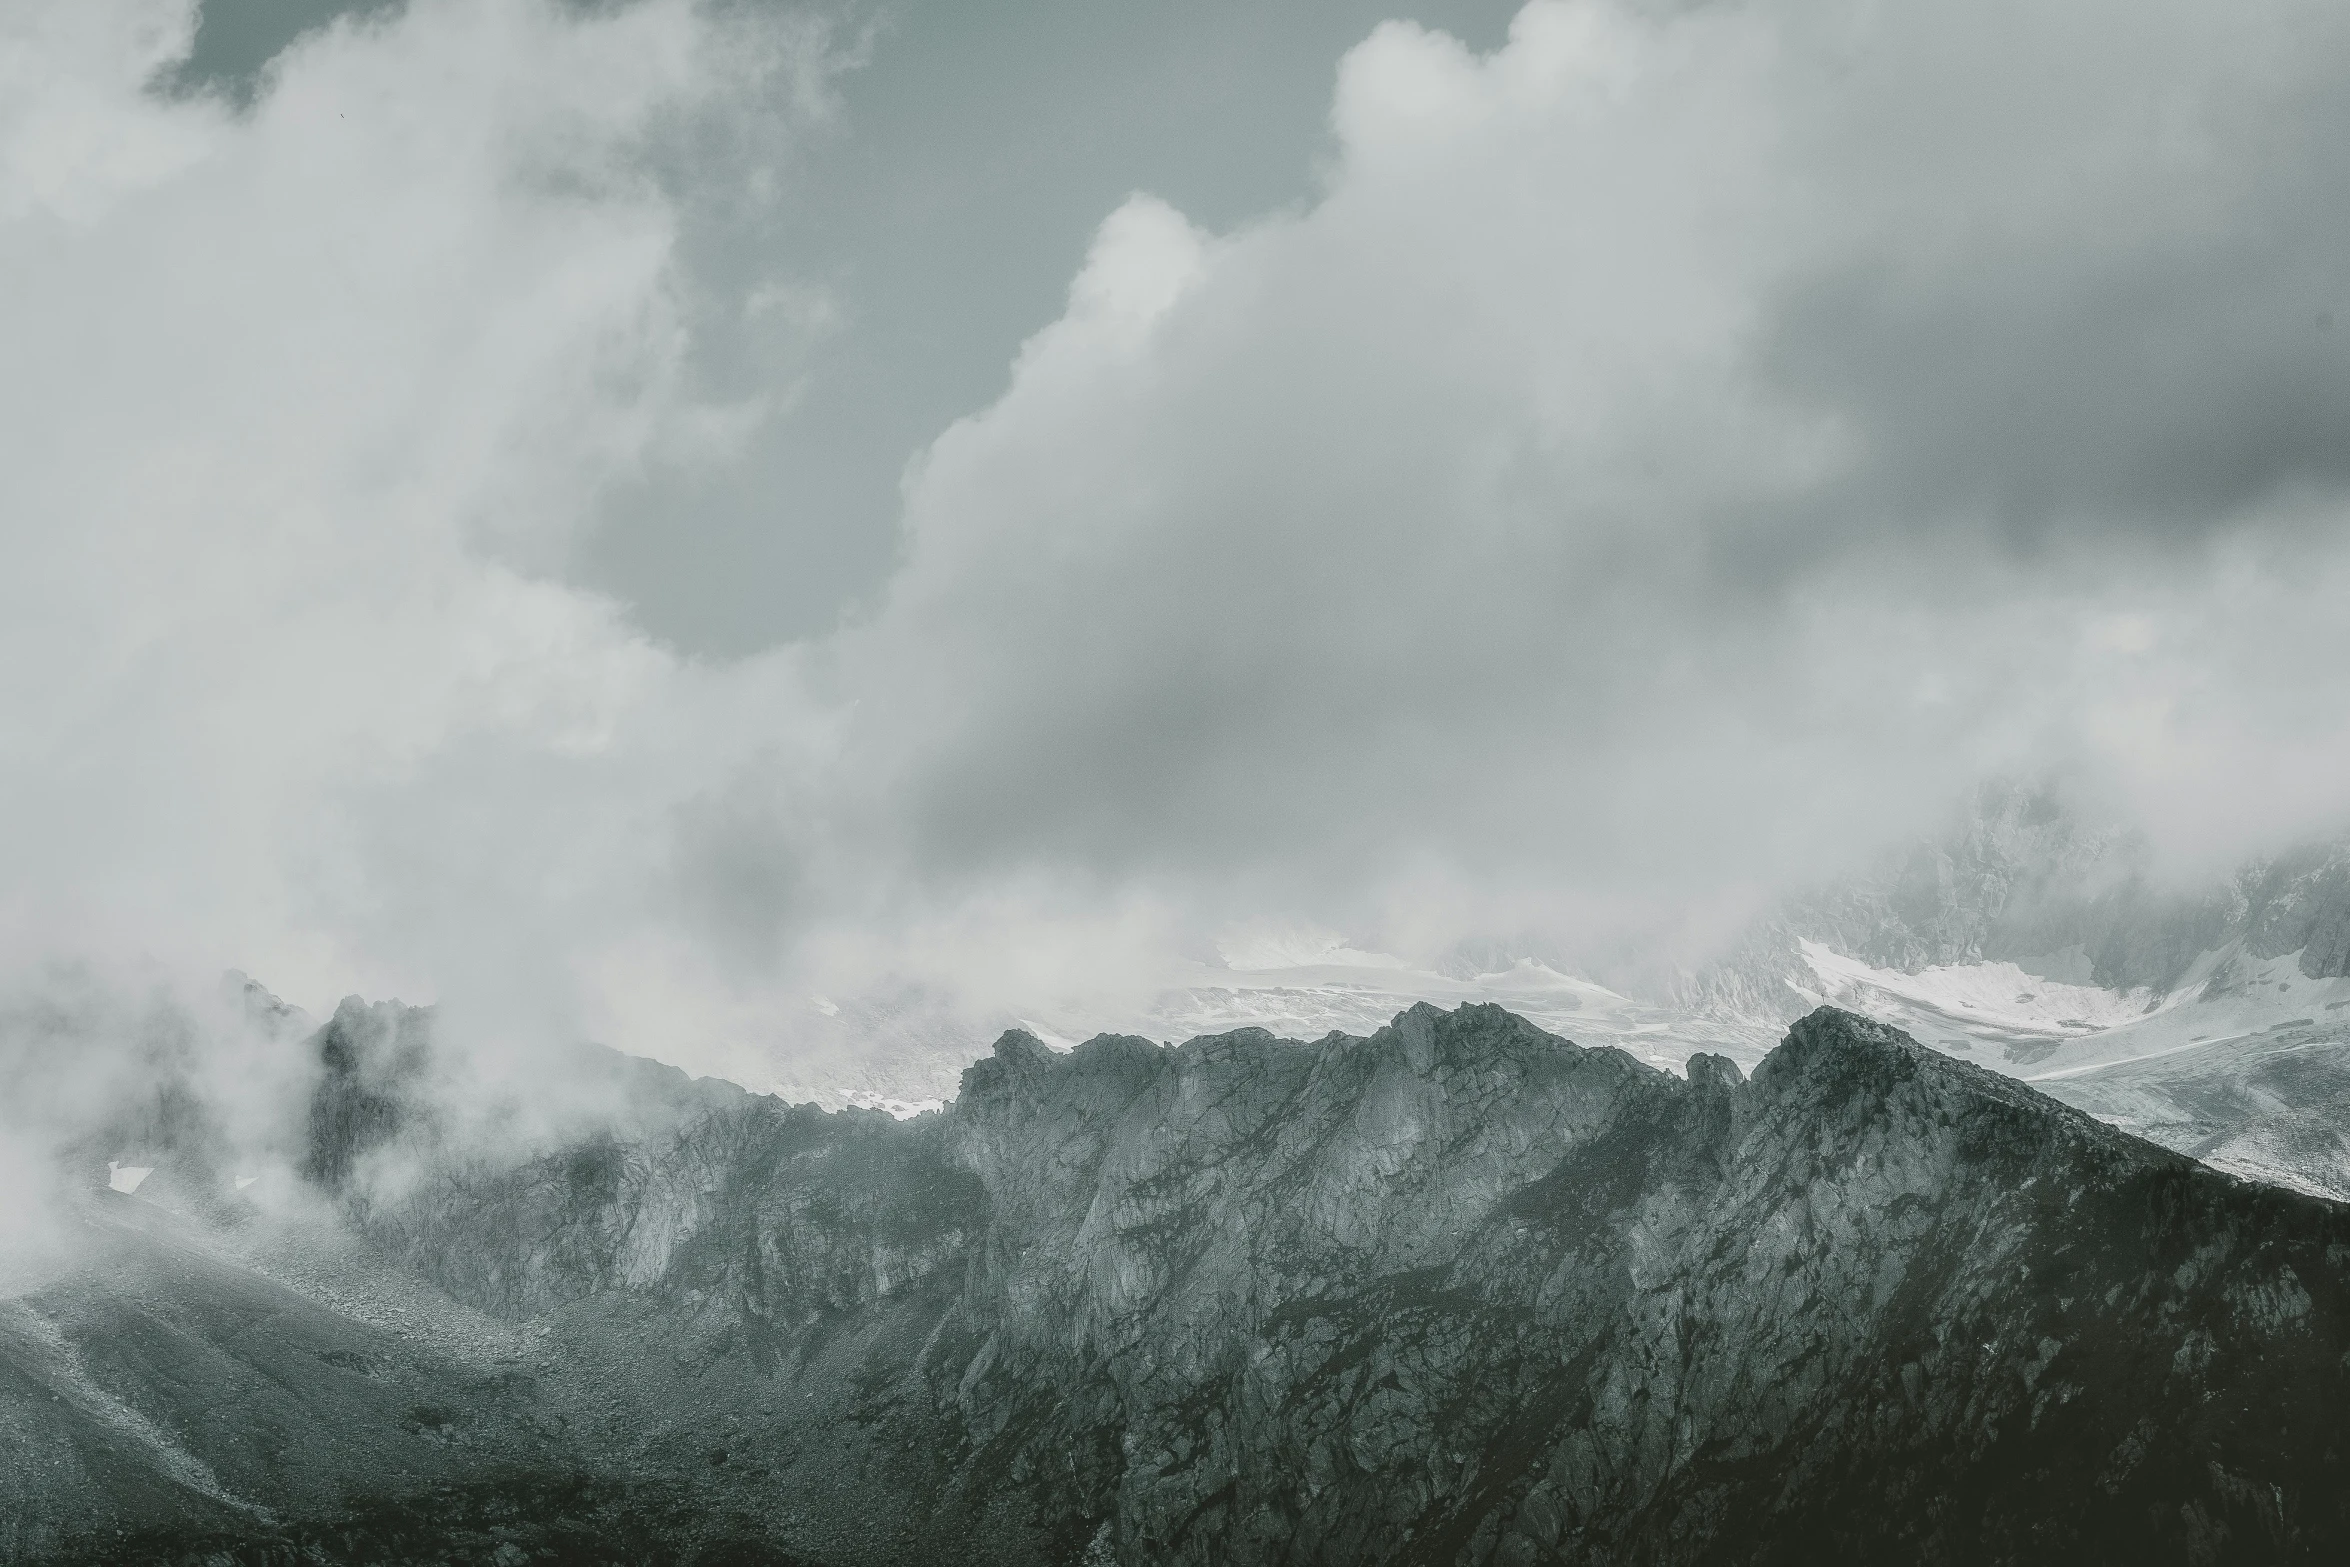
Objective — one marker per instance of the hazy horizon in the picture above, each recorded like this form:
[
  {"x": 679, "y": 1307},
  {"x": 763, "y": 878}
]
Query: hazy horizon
[{"x": 646, "y": 521}]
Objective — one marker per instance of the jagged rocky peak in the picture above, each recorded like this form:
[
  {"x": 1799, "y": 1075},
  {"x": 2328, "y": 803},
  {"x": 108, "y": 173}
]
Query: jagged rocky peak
[
  {"x": 373, "y": 1061},
  {"x": 1874, "y": 1301},
  {"x": 1830, "y": 1048},
  {"x": 1714, "y": 1071},
  {"x": 1464, "y": 1292}
]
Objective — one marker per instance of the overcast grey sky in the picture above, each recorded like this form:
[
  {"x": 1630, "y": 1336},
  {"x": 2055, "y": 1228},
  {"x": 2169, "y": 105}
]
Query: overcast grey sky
[
  {"x": 941, "y": 208},
  {"x": 1486, "y": 477}
]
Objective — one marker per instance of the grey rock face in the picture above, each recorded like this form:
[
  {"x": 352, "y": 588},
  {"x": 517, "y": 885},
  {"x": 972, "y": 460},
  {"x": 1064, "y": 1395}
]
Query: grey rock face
[
  {"x": 1462, "y": 1292},
  {"x": 2300, "y": 903},
  {"x": 372, "y": 1060}
]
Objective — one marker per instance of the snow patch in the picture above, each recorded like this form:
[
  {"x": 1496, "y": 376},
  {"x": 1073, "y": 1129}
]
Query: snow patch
[
  {"x": 2226, "y": 998},
  {"x": 900, "y": 1109},
  {"x": 1527, "y": 976},
  {"x": 2003, "y": 996},
  {"x": 126, "y": 1177}
]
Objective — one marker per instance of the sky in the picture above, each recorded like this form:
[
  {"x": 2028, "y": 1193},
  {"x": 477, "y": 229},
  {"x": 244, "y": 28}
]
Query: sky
[
  {"x": 923, "y": 225},
  {"x": 640, "y": 520}
]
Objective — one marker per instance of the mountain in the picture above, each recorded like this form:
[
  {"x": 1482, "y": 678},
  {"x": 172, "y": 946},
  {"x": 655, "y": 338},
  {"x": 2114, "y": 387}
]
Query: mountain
[
  {"x": 2211, "y": 1017},
  {"x": 1458, "y": 1291},
  {"x": 162, "y": 1388},
  {"x": 905, "y": 1046},
  {"x": 2019, "y": 879}
]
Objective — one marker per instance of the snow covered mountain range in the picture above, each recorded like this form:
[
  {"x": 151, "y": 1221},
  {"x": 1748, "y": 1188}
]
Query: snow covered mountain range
[{"x": 2214, "y": 1019}]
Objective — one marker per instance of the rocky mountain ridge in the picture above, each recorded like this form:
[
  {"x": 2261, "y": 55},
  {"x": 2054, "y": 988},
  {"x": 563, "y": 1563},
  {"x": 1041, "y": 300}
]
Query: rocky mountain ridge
[{"x": 1459, "y": 1291}]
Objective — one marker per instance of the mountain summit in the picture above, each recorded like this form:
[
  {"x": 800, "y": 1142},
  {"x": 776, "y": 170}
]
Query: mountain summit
[{"x": 1457, "y": 1292}]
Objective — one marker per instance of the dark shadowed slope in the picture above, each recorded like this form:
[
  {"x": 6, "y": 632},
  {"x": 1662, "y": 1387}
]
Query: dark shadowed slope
[
  {"x": 161, "y": 1386},
  {"x": 1457, "y": 1292}
]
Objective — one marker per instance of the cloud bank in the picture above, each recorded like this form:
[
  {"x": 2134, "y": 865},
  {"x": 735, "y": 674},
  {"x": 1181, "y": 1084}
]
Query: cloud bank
[
  {"x": 301, "y": 405},
  {"x": 1676, "y": 452}
]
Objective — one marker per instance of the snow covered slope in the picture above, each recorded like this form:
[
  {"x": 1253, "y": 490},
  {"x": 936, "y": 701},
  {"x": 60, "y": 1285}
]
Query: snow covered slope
[
  {"x": 2021, "y": 939},
  {"x": 1310, "y": 1002},
  {"x": 2244, "y": 1063},
  {"x": 906, "y": 1056}
]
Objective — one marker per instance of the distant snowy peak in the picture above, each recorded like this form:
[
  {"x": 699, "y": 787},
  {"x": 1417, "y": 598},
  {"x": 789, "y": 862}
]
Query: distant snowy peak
[
  {"x": 1272, "y": 948},
  {"x": 2002, "y": 998},
  {"x": 2018, "y": 882},
  {"x": 1315, "y": 1000},
  {"x": 2042, "y": 1029}
]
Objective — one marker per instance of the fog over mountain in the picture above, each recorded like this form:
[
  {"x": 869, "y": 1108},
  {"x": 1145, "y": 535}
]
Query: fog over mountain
[
  {"x": 1517, "y": 534},
  {"x": 598, "y": 594}
]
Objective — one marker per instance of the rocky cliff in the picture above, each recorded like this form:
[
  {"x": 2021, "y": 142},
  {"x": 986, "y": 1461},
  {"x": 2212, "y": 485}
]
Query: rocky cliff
[{"x": 1458, "y": 1292}]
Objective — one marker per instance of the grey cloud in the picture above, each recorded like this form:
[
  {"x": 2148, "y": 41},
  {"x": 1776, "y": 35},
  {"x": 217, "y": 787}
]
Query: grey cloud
[
  {"x": 235, "y": 41},
  {"x": 115, "y": 1065},
  {"x": 739, "y": 866},
  {"x": 1531, "y": 532},
  {"x": 2059, "y": 381},
  {"x": 2155, "y": 405},
  {"x": 936, "y": 217},
  {"x": 1579, "y": 496}
]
